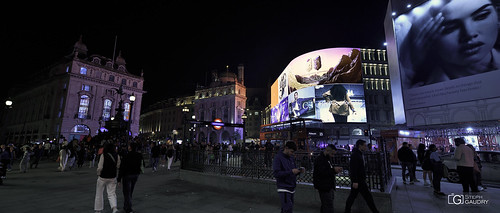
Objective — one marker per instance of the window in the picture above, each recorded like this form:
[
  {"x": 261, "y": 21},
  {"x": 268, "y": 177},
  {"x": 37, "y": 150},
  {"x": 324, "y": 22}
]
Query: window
[
  {"x": 124, "y": 81},
  {"x": 106, "y": 110},
  {"x": 83, "y": 70},
  {"x": 83, "y": 109},
  {"x": 67, "y": 68},
  {"x": 86, "y": 87},
  {"x": 134, "y": 84},
  {"x": 112, "y": 78},
  {"x": 126, "y": 113}
]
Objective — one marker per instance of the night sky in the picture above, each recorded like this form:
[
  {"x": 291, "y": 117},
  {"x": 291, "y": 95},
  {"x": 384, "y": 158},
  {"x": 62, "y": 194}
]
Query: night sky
[{"x": 177, "y": 42}]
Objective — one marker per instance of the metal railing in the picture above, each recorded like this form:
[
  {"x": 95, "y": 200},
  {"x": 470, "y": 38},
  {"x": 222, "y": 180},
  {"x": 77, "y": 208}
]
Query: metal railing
[{"x": 258, "y": 165}]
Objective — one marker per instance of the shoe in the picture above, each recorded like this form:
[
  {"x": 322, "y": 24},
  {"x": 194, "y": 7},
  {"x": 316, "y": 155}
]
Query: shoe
[
  {"x": 115, "y": 210},
  {"x": 411, "y": 182},
  {"x": 404, "y": 181},
  {"x": 426, "y": 183},
  {"x": 416, "y": 180},
  {"x": 439, "y": 193}
]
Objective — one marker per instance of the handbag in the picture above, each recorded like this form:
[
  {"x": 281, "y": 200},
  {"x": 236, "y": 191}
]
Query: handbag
[{"x": 339, "y": 108}]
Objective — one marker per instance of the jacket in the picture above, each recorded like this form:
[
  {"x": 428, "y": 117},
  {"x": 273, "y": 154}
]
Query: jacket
[
  {"x": 464, "y": 156},
  {"x": 406, "y": 155},
  {"x": 357, "y": 171},
  {"x": 324, "y": 173},
  {"x": 282, "y": 171},
  {"x": 107, "y": 166},
  {"x": 131, "y": 165}
]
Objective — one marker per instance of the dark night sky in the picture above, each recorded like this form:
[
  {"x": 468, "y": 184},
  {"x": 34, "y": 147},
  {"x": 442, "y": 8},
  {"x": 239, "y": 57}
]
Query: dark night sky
[{"x": 177, "y": 42}]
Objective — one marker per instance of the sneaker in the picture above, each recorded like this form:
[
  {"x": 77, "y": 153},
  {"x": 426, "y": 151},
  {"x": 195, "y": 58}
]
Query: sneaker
[{"x": 426, "y": 183}]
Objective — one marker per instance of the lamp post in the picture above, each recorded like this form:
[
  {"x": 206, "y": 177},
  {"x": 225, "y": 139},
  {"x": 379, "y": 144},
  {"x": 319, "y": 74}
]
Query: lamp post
[
  {"x": 185, "y": 111},
  {"x": 244, "y": 117},
  {"x": 132, "y": 100}
]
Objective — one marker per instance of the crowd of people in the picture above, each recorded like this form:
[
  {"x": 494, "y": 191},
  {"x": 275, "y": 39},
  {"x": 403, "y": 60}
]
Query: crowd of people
[{"x": 431, "y": 161}]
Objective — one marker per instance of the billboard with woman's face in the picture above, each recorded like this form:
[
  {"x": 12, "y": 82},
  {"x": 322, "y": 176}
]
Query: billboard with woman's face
[{"x": 448, "y": 55}]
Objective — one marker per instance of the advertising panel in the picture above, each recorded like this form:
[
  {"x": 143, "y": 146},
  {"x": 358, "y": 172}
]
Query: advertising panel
[
  {"x": 340, "y": 103},
  {"x": 301, "y": 103},
  {"x": 448, "y": 54}
]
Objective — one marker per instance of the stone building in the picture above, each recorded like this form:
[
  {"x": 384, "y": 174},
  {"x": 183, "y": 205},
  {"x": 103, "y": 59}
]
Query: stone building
[{"x": 73, "y": 98}]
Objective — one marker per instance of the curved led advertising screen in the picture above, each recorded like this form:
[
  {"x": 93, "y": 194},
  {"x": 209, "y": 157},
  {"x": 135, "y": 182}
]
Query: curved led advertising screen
[
  {"x": 323, "y": 84},
  {"x": 448, "y": 59}
]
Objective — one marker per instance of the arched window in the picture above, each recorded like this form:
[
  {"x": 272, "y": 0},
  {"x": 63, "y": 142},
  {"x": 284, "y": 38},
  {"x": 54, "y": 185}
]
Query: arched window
[
  {"x": 106, "y": 110},
  {"x": 83, "y": 110},
  {"x": 126, "y": 113}
]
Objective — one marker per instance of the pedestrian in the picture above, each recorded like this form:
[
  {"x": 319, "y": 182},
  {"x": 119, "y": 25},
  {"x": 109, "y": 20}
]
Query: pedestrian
[
  {"x": 477, "y": 169},
  {"x": 4, "y": 161},
  {"x": 130, "y": 168},
  {"x": 107, "y": 170},
  {"x": 427, "y": 167},
  {"x": 285, "y": 171},
  {"x": 37, "y": 155},
  {"x": 324, "y": 177},
  {"x": 63, "y": 156},
  {"x": 437, "y": 170},
  {"x": 465, "y": 165},
  {"x": 406, "y": 158},
  {"x": 23, "y": 165},
  {"x": 155, "y": 156},
  {"x": 170, "y": 155},
  {"x": 357, "y": 174}
]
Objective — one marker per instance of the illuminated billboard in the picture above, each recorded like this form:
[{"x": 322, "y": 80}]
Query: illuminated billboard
[
  {"x": 332, "y": 103},
  {"x": 447, "y": 60},
  {"x": 317, "y": 72}
]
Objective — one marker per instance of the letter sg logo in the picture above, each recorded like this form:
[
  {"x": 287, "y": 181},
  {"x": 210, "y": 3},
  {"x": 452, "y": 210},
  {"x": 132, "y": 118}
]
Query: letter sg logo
[{"x": 456, "y": 199}]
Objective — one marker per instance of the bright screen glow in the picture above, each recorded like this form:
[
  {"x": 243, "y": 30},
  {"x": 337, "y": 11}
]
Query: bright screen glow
[{"x": 449, "y": 73}]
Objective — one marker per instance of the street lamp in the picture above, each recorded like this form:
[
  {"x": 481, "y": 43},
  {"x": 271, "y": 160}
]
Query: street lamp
[
  {"x": 185, "y": 111},
  {"x": 131, "y": 98},
  {"x": 8, "y": 103},
  {"x": 244, "y": 117}
]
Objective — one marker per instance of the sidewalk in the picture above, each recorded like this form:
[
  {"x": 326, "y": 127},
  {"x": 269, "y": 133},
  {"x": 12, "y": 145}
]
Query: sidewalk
[{"x": 44, "y": 190}]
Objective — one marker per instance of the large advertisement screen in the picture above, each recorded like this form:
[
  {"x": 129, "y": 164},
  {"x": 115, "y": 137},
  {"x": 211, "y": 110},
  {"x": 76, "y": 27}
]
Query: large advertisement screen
[
  {"x": 337, "y": 103},
  {"x": 307, "y": 81},
  {"x": 448, "y": 55}
]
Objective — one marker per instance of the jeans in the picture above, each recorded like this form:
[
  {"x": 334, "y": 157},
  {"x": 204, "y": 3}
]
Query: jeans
[
  {"x": 437, "y": 175},
  {"x": 286, "y": 200},
  {"x": 365, "y": 192},
  {"x": 467, "y": 178},
  {"x": 326, "y": 198},
  {"x": 110, "y": 184},
  {"x": 404, "y": 166},
  {"x": 128, "y": 189}
]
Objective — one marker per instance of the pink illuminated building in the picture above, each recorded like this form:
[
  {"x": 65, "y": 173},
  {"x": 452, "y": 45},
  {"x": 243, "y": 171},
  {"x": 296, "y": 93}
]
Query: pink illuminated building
[{"x": 73, "y": 98}]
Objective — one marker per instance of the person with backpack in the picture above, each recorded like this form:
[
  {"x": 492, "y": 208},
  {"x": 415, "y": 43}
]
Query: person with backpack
[{"x": 107, "y": 171}]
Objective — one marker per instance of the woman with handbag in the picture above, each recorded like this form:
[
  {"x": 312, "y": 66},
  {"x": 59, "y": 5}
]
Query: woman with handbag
[
  {"x": 340, "y": 103},
  {"x": 437, "y": 170}
]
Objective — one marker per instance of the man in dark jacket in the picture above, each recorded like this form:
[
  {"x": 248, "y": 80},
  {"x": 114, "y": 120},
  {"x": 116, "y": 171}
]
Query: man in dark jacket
[
  {"x": 358, "y": 178},
  {"x": 407, "y": 158},
  {"x": 130, "y": 168},
  {"x": 324, "y": 177},
  {"x": 285, "y": 171}
]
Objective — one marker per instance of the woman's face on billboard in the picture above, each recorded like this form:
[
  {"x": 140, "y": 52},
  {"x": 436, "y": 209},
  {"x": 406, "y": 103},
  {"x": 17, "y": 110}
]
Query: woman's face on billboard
[{"x": 469, "y": 32}]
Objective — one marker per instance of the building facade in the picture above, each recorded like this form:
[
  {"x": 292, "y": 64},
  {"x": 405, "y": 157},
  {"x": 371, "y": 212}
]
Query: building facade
[
  {"x": 224, "y": 99},
  {"x": 166, "y": 119},
  {"x": 74, "y": 98}
]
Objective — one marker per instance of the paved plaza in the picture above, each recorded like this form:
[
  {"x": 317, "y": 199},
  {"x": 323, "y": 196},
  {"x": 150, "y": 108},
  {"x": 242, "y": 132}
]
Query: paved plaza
[{"x": 45, "y": 190}]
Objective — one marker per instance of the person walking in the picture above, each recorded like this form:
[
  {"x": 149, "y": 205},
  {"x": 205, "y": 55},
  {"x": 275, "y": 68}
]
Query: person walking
[
  {"x": 130, "y": 168},
  {"x": 170, "y": 155},
  {"x": 107, "y": 170},
  {"x": 357, "y": 174},
  {"x": 427, "y": 167},
  {"x": 465, "y": 165},
  {"x": 155, "y": 156},
  {"x": 63, "y": 156},
  {"x": 406, "y": 158},
  {"x": 25, "y": 161},
  {"x": 37, "y": 155},
  {"x": 285, "y": 171},
  {"x": 437, "y": 170},
  {"x": 324, "y": 177}
]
